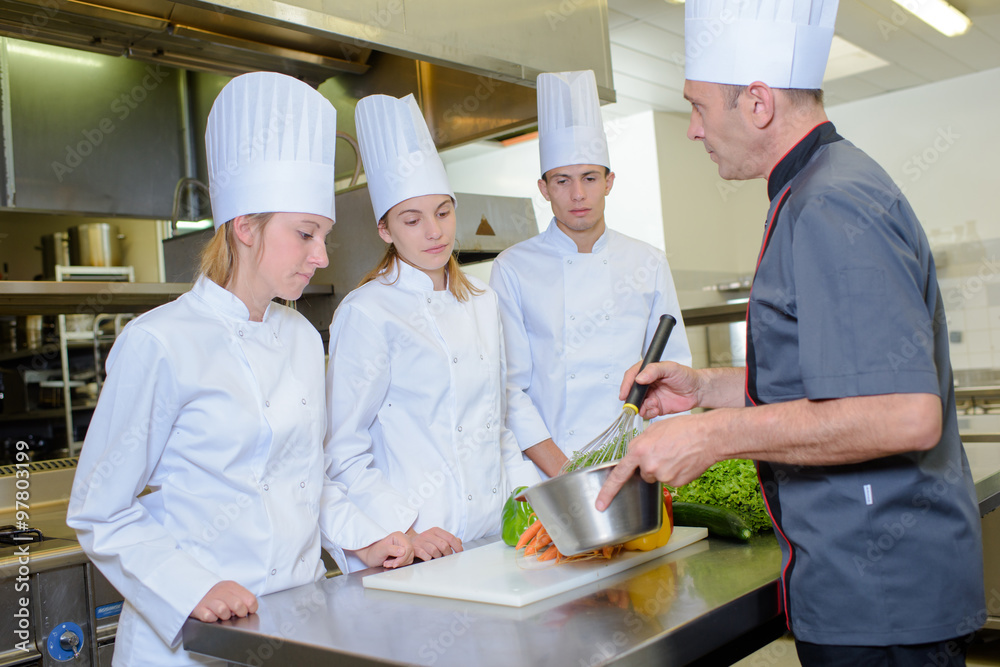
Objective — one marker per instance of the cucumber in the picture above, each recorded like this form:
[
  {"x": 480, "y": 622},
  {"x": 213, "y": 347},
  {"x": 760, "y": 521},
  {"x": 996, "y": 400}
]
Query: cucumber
[{"x": 719, "y": 520}]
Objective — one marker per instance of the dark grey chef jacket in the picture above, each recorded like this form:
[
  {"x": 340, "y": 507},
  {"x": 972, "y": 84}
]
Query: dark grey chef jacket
[{"x": 845, "y": 302}]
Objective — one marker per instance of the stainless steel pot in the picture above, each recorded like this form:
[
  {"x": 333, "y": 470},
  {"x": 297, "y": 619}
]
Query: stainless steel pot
[
  {"x": 95, "y": 244},
  {"x": 55, "y": 251}
]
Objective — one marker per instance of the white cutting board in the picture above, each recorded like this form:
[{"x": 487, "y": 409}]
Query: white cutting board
[{"x": 498, "y": 574}]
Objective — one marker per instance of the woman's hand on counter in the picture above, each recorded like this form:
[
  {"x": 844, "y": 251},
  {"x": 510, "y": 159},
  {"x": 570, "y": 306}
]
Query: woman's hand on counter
[
  {"x": 393, "y": 550},
  {"x": 225, "y": 600},
  {"x": 433, "y": 543}
]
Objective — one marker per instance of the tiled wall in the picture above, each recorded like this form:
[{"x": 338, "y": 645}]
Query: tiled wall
[{"x": 969, "y": 275}]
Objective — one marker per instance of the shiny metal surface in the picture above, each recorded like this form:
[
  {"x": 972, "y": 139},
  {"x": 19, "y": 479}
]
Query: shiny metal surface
[
  {"x": 516, "y": 38},
  {"x": 984, "y": 461},
  {"x": 472, "y": 72},
  {"x": 667, "y": 612},
  {"x": 55, "y": 251},
  {"x": 91, "y": 134},
  {"x": 52, "y": 298},
  {"x": 95, "y": 244},
  {"x": 991, "y": 568},
  {"x": 565, "y": 505}
]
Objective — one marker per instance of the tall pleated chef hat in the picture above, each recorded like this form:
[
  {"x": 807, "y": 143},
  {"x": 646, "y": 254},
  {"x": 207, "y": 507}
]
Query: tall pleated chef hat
[
  {"x": 783, "y": 43},
  {"x": 271, "y": 145},
  {"x": 570, "y": 129},
  {"x": 397, "y": 151}
]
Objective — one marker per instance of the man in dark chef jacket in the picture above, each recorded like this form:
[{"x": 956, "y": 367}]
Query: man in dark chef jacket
[{"x": 847, "y": 400}]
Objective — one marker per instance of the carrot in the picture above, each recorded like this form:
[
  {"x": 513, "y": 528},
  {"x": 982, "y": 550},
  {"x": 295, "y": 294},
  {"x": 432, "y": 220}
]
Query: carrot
[
  {"x": 607, "y": 552},
  {"x": 550, "y": 553},
  {"x": 528, "y": 533},
  {"x": 537, "y": 543}
]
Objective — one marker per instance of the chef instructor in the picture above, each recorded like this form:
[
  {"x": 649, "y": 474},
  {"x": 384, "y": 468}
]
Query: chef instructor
[{"x": 847, "y": 400}]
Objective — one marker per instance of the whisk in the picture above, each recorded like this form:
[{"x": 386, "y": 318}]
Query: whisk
[{"x": 612, "y": 444}]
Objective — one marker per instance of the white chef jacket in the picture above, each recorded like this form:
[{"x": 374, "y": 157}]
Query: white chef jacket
[
  {"x": 573, "y": 324},
  {"x": 223, "y": 419},
  {"x": 415, "y": 385}
]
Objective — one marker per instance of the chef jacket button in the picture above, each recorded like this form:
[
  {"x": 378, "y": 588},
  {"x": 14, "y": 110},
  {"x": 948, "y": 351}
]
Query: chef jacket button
[
  {"x": 303, "y": 401},
  {"x": 606, "y": 376},
  {"x": 267, "y": 404},
  {"x": 572, "y": 432},
  {"x": 275, "y": 334},
  {"x": 607, "y": 317},
  {"x": 569, "y": 261},
  {"x": 572, "y": 376},
  {"x": 487, "y": 424},
  {"x": 454, "y": 360},
  {"x": 302, "y": 559},
  {"x": 460, "y": 429},
  {"x": 241, "y": 333},
  {"x": 266, "y": 487},
  {"x": 302, "y": 484},
  {"x": 494, "y": 490},
  {"x": 274, "y": 572},
  {"x": 572, "y": 317},
  {"x": 470, "y": 497},
  {"x": 480, "y": 356},
  {"x": 428, "y": 299},
  {"x": 605, "y": 261}
]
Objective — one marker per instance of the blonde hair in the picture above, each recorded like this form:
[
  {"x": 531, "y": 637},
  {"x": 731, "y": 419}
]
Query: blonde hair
[
  {"x": 458, "y": 283},
  {"x": 218, "y": 258}
]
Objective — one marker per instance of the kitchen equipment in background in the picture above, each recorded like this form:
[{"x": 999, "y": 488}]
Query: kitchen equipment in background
[
  {"x": 565, "y": 506},
  {"x": 612, "y": 444},
  {"x": 498, "y": 574},
  {"x": 95, "y": 244},
  {"x": 34, "y": 331},
  {"x": 67, "y": 613},
  {"x": 55, "y": 251},
  {"x": 485, "y": 226}
]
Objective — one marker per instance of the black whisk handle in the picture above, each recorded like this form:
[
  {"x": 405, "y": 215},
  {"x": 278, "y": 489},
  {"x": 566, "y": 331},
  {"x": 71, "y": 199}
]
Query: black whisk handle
[{"x": 656, "y": 346}]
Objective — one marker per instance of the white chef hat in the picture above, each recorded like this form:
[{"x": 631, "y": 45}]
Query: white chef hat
[
  {"x": 397, "y": 151},
  {"x": 570, "y": 129},
  {"x": 271, "y": 143},
  {"x": 784, "y": 43}
]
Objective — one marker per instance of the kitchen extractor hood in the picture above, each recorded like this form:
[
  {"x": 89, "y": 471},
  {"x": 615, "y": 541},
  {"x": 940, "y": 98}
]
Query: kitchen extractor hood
[{"x": 471, "y": 65}]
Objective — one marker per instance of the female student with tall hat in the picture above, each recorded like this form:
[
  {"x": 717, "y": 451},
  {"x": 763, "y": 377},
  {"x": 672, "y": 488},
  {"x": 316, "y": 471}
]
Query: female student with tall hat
[
  {"x": 215, "y": 402},
  {"x": 415, "y": 381}
]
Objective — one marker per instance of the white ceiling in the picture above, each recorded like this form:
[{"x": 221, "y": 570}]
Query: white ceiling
[{"x": 647, "y": 48}]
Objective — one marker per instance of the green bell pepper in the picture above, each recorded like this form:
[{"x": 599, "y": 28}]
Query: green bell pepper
[{"x": 516, "y": 516}]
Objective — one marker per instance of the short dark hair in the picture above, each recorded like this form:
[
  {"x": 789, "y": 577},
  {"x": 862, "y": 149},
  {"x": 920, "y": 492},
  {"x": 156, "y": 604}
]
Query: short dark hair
[
  {"x": 545, "y": 176},
  {"x": 797, "y": 96}
]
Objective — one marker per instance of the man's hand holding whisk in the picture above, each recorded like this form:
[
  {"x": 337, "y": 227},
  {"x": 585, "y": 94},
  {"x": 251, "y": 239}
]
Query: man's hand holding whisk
[{"x": 677, "y": 450}]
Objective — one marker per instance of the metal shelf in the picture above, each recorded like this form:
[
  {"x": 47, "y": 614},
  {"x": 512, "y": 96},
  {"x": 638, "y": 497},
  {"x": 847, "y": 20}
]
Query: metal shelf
[
  {"x": 727, "y": 312},
  {"x": 90, "y": 298}
]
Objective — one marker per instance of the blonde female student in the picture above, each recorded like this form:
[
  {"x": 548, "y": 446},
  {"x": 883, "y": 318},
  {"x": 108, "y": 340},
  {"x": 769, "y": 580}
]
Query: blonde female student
[
  {"x": 415, "y": 380},
  {"x": 215, "y": 402}
]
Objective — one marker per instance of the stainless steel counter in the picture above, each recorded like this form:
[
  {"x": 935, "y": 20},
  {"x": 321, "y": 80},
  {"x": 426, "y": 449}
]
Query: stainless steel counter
[
  {"x": 668, "y": 612},
  {"x": 673, "y": 611}
]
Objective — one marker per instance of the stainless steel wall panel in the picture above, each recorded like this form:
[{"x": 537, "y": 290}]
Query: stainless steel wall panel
[{"x": 92, "y": 134}]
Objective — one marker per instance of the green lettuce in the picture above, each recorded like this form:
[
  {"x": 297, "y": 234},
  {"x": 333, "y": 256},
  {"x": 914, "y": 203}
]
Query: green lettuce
[{"x": 732, "y": 484}]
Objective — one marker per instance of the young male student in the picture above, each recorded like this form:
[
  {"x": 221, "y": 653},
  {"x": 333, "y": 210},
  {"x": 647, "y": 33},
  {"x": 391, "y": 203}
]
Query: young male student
[
  {"x": 579, "y": 302},
  {"x": 847, "y": 400}
]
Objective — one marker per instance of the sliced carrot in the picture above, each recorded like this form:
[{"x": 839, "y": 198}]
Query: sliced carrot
[
  {"x": 528, "y": 533},
  {"x": 607, "y": 551}
]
